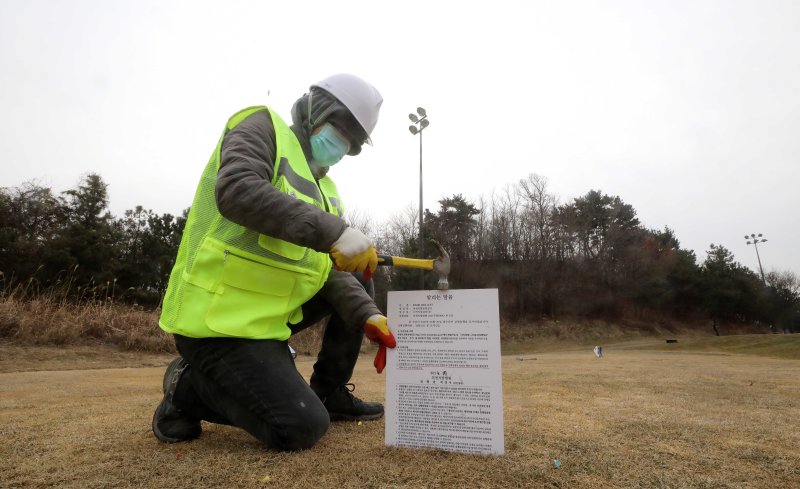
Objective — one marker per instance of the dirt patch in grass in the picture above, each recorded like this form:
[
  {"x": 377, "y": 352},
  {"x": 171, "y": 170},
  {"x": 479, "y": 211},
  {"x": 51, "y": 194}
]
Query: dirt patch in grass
[
  {"x": 767, "y": 345},
  {"x": 15, "y": 357},
  {"x": 631, "y": 419}
]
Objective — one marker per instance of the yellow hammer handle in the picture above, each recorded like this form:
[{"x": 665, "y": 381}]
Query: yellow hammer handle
[{"x": 400, "y": 261}]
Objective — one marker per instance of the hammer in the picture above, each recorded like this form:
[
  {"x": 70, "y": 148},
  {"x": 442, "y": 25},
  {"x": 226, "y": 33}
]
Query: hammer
[{"x": 440, "y": 265}]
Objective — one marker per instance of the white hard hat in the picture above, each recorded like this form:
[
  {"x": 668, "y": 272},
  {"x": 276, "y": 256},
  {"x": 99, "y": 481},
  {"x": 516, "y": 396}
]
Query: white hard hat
[{"x": 360, "y": 98}]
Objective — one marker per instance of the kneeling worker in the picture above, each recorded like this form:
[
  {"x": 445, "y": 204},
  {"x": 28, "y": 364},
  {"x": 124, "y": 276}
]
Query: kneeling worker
[{"x": 265, "y": 254}]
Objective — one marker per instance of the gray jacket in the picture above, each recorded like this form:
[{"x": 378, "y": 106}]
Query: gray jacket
[{"x": 245, "y": 196}]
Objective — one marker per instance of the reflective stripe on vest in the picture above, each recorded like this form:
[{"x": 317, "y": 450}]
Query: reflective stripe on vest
[
  {"x": 305, "y": 187},
  {"x": 335, "y": 205}
]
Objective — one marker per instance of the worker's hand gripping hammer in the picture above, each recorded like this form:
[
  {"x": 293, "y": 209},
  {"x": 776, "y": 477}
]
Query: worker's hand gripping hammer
[{"x": 439, "y": 265}]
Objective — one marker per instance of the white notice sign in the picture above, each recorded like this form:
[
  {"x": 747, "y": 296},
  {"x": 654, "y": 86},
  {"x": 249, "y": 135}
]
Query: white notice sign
[{"x": 443, "y": 380}]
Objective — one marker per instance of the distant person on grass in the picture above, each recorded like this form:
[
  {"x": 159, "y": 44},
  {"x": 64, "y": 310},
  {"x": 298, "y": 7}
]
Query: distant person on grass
[{"x": 265, "y": 254}]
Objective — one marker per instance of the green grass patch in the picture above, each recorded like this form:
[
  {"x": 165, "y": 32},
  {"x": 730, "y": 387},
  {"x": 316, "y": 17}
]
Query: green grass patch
[
  {"x": 766, "y": 345},
  {"x": 546, "y": 345}
]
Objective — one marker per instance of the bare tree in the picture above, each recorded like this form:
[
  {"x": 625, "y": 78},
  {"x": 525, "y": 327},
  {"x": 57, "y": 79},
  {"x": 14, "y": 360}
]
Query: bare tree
[
  {"x": 401, "y": 232},
  {"x": 480, "y": 240},
  {"x": 361, "y": 221},
  {"x": 785, "y": 280},
  {"x": 538, "y": 217}
]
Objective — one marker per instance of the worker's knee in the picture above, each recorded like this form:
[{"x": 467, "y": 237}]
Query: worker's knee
[
  {"x": 300, "y": 431},
  {"x": 303, "y": 433}
]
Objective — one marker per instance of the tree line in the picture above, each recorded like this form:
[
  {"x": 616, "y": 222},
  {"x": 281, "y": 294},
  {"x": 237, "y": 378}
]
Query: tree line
[
  {"x": 70, "y": 244},
  {"x": 588, "y": 257}
]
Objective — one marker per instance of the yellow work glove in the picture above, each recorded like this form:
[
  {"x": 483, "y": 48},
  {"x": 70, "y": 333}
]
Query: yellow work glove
[
  {"x": 353, "y": 252},
  {"x": 378, "y": 331}
]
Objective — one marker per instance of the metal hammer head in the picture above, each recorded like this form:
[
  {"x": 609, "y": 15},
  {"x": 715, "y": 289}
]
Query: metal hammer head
[{"x": 442, "y": 267}]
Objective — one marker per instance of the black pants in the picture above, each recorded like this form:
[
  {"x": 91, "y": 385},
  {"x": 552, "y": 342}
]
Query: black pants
[{"x": 253, "y": 384}]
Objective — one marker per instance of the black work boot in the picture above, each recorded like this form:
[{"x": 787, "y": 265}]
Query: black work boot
[
  {"x": 344, "y": 406},
  {"x": 170, "y": 424}
]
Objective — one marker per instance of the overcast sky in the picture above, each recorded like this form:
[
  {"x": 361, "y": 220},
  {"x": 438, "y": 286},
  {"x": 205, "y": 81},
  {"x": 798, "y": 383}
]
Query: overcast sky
[{"x": 687, "y": 110}]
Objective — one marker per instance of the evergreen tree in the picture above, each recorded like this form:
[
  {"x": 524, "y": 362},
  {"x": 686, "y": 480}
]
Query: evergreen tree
[
  {"x": 85, "y": 252},
  {"x": 30, "y": 219},
  {"x": 731, "y": 291}
]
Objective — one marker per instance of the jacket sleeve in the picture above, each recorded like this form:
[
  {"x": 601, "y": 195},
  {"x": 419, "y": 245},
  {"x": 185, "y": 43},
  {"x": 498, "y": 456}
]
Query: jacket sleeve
[
  {"x": 347, "y": 296},
  {"x": 245, "y": 194}
]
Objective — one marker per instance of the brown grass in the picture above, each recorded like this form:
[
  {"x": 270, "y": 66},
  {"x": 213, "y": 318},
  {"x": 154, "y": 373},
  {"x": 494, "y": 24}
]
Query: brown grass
[
  {"x": 632, "y": 419},
  {"x": 48, "y": 320},
  {"x": 78, "y": 384}
]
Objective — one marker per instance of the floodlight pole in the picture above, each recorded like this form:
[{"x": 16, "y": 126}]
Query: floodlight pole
[
  {"x": 421, "y": 239},
  {"x": 420, "y": 120},
  {"x": 757, "y": 239}
]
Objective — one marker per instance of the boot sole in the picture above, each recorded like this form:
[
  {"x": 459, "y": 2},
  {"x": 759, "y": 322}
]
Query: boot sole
[
  {"x": 170, "y": 439},
  {"x": 161, "y": 436}
]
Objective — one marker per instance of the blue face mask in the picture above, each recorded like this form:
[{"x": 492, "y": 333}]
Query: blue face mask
[{"x": 328, "y": 146}]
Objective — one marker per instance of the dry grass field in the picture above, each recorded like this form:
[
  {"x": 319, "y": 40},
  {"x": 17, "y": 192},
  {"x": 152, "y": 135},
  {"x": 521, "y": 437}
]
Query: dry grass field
[{"x": 79, "y": 417}]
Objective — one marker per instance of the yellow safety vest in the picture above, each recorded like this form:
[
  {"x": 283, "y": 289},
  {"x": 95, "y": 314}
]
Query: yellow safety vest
[{"x": 230, "y": 281}]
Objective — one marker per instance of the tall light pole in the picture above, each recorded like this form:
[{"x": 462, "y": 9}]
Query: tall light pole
[
  {"x": 420, "y": 122},
  {"x": 757, "y": 239}
]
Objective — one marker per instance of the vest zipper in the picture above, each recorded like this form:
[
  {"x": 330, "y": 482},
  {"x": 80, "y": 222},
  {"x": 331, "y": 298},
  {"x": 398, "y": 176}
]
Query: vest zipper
[
  {"x": 229, "y": 252},
  {"x": 274, "y": 263}
]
